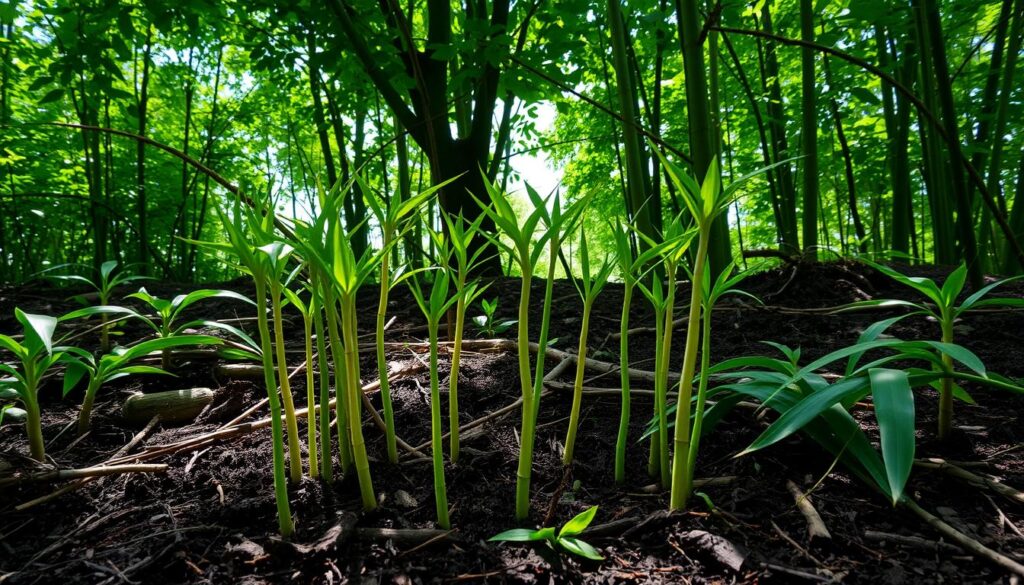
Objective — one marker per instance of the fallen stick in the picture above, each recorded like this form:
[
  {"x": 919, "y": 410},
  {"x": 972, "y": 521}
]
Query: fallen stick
[
  {"x": 698, "y": 483},
  {"x": 911, "y": 541},
  {"x": 403, "y": 536},
  {"x": 66, "y": 474},
  {"x": 972, "y": 478},
  {"x": 962, "y": 540},
  {"x": 139, "y": 436},
  {"x": 815, "y": 525}
]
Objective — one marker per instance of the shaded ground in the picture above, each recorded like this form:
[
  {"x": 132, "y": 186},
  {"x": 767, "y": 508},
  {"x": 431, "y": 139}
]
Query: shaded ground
[{"x": 210, "y": 519}]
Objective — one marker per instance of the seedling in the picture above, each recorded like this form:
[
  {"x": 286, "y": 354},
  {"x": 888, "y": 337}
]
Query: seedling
[
  {"x": 393, "y": 219},
  {"x": 945, "y": 311},
  {"x": 109, "y": 279},
  {"x": 117, "y": 364},
  {"x": 36, "y": 355},
  {"x": 434, "y": 307},
  {"x": 566, "y": 539},
  {"x": 589, "y": 287},
  {"x": 460, "y": 237},
  {"x": 486, "y": 324}
]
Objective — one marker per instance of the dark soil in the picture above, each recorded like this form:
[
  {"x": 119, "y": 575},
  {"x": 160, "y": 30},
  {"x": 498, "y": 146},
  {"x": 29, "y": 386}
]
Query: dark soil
[{"x": 211, "y": 517}]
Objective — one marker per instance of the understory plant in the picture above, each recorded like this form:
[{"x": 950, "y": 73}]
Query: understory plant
[
  {"x": 528, "y": 240},
  {"x": 460, "y": 237},
  {"x": 671, "y": 251},
  {"x": 704, "y": 202},
  {"x": 393, "y": 217},
  {"x": 308, "y": 309},
  {"x": 434, "y": 308},
  {"x": 807, "y": 401},
  {"x": 35, "y": 355},
  {"x": 244, "y": 248},
  {"x": 628, "y": 269},
  {"x": 487, "y": 324},
  {"x": 944, "y": 310},
  {"x": 119, "y": 363},
  {"x": 109, "y": 278},
  {"x": 589, "y": 287},
  {"x": 566, "y": 539}
]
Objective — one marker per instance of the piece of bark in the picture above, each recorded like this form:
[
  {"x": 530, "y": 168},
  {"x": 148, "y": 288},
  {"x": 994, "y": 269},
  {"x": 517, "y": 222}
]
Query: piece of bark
[{"x": 173, "y": 406}]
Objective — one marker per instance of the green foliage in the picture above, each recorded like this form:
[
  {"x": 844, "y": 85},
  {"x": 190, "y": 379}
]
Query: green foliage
[
  {"x": 486, "y": 324},
  {"x": 565, "y": 539},
  {"x": 35, "y": 355}
]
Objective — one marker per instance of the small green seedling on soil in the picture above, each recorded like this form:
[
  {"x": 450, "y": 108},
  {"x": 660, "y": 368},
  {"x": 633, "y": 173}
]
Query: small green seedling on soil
[
  {"x": 945, "y": 311},
  {"x": 117, "y": 364},
  {"x": 486, "y": 324},
  {"x": 109, "y": 279},
  {"x": 566, "y": 539},
  {"x": 36, "y": 355}
]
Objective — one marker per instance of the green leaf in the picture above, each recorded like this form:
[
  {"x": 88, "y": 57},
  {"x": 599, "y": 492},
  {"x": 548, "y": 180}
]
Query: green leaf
[
  {"x": 578, "y": 547},
  {"x": 579, "y": 523},
  {"x": 954, "y": 285},
  {"x": 894, "y": 408},
  {"x": 52, "y": 96},
  {"x": 517, "y": 535},
  {"x": 38, "y": 330}
]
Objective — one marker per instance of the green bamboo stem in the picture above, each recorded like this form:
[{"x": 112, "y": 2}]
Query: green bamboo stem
[
  {"x": 661, "y": 390},
  {"x": 654, "y": 455},
  {"x": 702, "y": 394},
  {"x": 946, "y": 390},
  {"x": 527, "y": 431},
  {"x": 577, "y": 390},
  {"x": 682, "y": 482},
  {"x": 284, "y": 515},
  {"x": 453, "y": 378},
  {"x": 291, "y": 422},
  {"x": 85, "y": 414},
  {"x": 340, "y": 380},
  {"x": 314, "y": 464},
  {"x": 436, "y": 446},
  {"x": 355, "y": 414},
  {"x": 325, "y": 396},
  {"x": 33, "y": 425},
  {"x": 382, "y": 363},
  {"x": 620, "y": 443},
  {"x": 545, "y": 326}
]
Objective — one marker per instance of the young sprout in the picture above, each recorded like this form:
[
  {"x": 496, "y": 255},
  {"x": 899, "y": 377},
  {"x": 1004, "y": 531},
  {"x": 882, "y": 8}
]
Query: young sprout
[
  {"x": 486, "y": 324},
  {"x": 275, "y": 256},
  {"x": 525, "y": 250},
  {"x": 724, "y": 284},
  {"x": 307, "y": 310},
  {"x": 566, "y": 539},
  {"x": 630, "y": 269},
  {"x": 945, "y": 311},
  {"x": 256, "y": 263},
  {"x": 117, "y": 364},
  {"x": 316, "y": 310},
  {"x": 109, "y": 279},
  {"x": 671, "y": 250},
  {"x": 36, "y": 355},
  {"x": 434, "y": 307},
  {"x": 167, "y": 314},
  {"x": 655, "y": 294},
  {"x": 589, "y": 287},
  {"x": 460, "y": 236},
  {"x": 705, "y": 202},
  {"x": 393, "y": 219}
]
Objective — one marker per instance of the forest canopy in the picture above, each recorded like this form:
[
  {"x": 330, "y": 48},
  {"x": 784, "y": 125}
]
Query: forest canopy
[{"x": 890, "y": 129}]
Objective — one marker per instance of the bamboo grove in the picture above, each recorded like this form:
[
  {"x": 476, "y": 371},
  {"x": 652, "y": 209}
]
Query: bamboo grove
[{"x": 894, "y": 128}]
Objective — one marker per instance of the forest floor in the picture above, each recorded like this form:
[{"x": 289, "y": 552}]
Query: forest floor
[{"x": 211, "y": 517}]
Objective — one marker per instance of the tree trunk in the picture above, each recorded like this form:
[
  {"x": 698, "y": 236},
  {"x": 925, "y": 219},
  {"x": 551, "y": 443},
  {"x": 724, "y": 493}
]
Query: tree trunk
[{"x": 809, "y": 134}]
